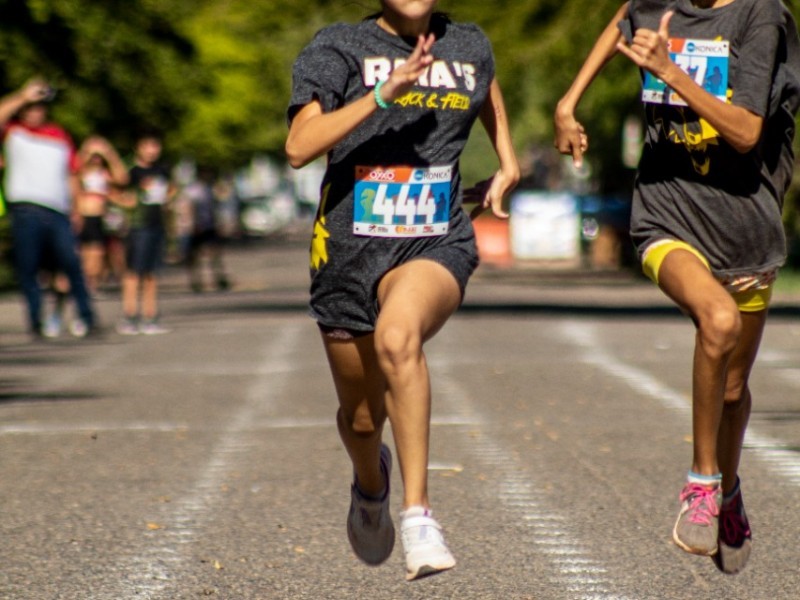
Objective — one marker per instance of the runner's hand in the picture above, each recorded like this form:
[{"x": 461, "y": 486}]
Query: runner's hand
[
  {"x": 649, "y": 50},
  {"x": 490, "y": 193},
  {"x": 405, "y": 76},
  {"x": 570, "y": 136}
]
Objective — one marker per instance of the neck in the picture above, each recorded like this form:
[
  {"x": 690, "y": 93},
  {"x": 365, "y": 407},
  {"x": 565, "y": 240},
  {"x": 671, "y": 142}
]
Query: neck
[
  {"x": 710, "y": 3},
  {"x": 399, "y": 25}
]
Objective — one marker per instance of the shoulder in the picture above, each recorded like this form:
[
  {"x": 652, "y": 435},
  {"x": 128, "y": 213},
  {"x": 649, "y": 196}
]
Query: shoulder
[
  {"x": 756, "y": 13},
  {"x": 329, "y": 43},
  {"x": 334, "y": 35},
  {"x": 465, "y": 41},
  {"x": 469, "y": 32}
]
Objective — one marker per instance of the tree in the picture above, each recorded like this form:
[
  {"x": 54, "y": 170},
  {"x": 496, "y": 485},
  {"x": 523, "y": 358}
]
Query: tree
[{"x": 116, "y": 64}]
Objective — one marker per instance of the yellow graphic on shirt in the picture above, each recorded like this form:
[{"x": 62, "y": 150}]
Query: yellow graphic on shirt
[
  {"x": 435, "y": 100},
  {"x": 695, "y": 136},
  {"x": 319, "y": 240}
]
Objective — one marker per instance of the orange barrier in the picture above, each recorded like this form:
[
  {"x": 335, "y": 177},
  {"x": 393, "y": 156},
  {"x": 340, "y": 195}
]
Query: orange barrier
[{"x": 494, "y": 244}]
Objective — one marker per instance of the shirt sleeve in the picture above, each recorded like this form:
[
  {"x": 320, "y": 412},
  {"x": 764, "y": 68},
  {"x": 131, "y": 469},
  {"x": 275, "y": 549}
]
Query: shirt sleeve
[
  {"x": 756, "y": 68},
  {"x": 320, "y": 73}
]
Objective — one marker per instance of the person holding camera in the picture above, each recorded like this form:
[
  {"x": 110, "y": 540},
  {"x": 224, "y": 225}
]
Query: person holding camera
[{"x": 40, "y": 183}]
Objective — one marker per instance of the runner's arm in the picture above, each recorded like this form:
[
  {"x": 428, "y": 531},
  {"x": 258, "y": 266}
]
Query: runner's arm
[
  {"x": 738, "y": 126},
  {"x": 570, "y": 137},
  {"x": 313, "y": 132},
  {"x": 492, "y": 192}
]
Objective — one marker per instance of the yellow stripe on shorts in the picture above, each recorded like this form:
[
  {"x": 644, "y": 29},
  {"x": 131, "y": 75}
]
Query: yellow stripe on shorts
[{"x": 747, "y": 301}]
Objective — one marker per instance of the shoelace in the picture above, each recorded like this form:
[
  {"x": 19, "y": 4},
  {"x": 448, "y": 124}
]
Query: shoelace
[
  {"x": 423, "y": 530},
  {"x": 733, "y": 526},
  {"x": 703, "y": 506}
]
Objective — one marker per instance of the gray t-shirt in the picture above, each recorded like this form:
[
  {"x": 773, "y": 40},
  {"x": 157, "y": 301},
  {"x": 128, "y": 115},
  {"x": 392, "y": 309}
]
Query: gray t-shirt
[
  {"x": 692, "y": 185},
  {"x": 418, "y": 139}
]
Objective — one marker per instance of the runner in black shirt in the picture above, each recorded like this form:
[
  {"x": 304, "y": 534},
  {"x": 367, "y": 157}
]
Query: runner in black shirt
[
  {"x": 720, "y": 86},
  {"x": 391, "y": 101}
]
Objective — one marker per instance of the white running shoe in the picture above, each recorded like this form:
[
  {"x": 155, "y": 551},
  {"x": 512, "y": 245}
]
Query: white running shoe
[
  {"x": 128, "y": 326},
  {"x": 426, "y": 552},
  {"x": 52, "y": 326},
  {"x": 152, "y": 328},
  {"x": 79, "y": 328},
  {"x": 369, "y": 521}
]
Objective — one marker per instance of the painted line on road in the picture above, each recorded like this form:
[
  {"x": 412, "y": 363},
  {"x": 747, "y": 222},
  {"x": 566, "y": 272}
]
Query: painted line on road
[
  {"x": 264, "y": 424},
  {"x": 574, "y": 570},
  {"x": 782, "y": 461},
  {"x": 155, "y": 569}
]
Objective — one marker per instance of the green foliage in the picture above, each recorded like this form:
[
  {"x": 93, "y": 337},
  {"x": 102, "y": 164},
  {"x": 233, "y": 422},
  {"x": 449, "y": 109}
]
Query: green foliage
[
  {"x": 215, "y": 75},
  {"x": 116, "y": 65}
]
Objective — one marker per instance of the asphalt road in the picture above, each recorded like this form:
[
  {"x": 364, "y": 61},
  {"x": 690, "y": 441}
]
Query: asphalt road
[{"x": 205, "y": 462}]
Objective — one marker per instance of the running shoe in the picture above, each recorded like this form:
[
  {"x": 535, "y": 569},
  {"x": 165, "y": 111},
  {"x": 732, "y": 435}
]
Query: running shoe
[
  {"x": 52, "y": 326},
  {"x": 79, "y": 328},
  {"x": 735, "y": 537},
  {"x": 152, "y": 328},
  {"x": 423, "y": 543},
  {"x": 128, "y": 326},
  {"x": 697, "y": 527},
  {"x": 369, "y": 521}
]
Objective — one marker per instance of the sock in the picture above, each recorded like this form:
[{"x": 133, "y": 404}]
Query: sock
[
  {"x": 727, "y": 498},
  {"x": 707, "y": 480}
]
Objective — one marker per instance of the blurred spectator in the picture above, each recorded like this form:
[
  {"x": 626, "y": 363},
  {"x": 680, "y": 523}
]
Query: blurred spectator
[
  {"x": 101, "y": 174},
  {"x": 152, "y": 190},
  {"x": 204, "y": 241},
  {"x": 40, "y": 182}
]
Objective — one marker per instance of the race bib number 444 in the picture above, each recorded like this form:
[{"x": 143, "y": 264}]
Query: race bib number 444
[
  {"x": 705, "y": 61},
  {"x": 402, "y": 202}
]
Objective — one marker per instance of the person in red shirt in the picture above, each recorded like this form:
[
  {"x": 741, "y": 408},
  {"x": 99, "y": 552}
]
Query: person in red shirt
[{"x": 40, "y": 183}]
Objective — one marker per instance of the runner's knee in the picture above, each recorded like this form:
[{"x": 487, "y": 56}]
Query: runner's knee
[
  {"x": 396, "y": 345},
  {"x": 720, "y": 326}
]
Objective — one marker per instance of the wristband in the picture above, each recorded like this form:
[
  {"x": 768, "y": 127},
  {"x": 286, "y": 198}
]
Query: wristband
[{"x": 378, "y": 100}]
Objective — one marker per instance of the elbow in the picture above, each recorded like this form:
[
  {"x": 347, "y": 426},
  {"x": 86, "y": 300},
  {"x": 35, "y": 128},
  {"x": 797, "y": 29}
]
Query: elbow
[
  {"x": 294, "y": 155},
  {"x": 748, "y": 136},
  {"x": 745, "y": 144}
]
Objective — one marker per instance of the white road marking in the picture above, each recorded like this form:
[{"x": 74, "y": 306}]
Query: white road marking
[
  {"x": 156, "y": 568},
  {"x": 773, "y": 453},
  {"x": 574, "y": 568}
]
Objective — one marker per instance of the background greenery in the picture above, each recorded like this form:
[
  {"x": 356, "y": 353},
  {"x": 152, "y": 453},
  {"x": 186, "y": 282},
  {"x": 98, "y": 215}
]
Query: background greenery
[{"x": 215, "y": 75}]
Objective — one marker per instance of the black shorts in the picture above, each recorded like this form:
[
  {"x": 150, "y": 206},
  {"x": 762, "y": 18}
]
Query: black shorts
[
  {"x": 92, "y": 231},
  {"x": 344, "y": 289},
  {"x": 144, "y": 250}
]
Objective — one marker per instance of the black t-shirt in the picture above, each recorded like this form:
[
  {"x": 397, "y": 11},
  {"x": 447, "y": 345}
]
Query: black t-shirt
[
  {"x": 418, "y": 140},
  {"x": 692, "y": 185},
  {"x": 151, "y": 186}
]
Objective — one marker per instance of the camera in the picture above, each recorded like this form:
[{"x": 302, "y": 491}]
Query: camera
[{"x": 48, "y": 93}]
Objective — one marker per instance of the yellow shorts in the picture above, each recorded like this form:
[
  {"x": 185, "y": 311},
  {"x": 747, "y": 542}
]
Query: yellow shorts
[{"x": 749, "y": 300}]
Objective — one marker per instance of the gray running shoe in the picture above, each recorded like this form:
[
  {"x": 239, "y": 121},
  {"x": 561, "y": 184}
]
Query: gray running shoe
[
  {"x": 423, "y": 543},
  {"x": 735, "y": 537},
  {"x": 369, "y": 522},
  {"x": 696, "y": 530}
]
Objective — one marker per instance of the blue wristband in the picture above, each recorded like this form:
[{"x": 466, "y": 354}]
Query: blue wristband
[{"x": 378, "y": 100}]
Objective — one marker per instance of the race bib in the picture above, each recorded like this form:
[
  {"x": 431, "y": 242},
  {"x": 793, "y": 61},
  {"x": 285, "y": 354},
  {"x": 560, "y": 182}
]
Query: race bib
[
  {"x": 706, "y": 62},
  {"x": 402, "y": 202}
]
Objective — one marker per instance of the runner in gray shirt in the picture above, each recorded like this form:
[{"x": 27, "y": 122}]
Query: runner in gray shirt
[
  {"x": 391, "y": 101},
  {"x": 720, "y": 89}
]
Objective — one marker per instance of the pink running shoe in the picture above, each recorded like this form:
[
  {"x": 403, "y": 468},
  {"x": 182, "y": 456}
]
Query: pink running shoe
[
  {"x": 697, "y": 529},
  {"x": 735, "y": 537}
]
